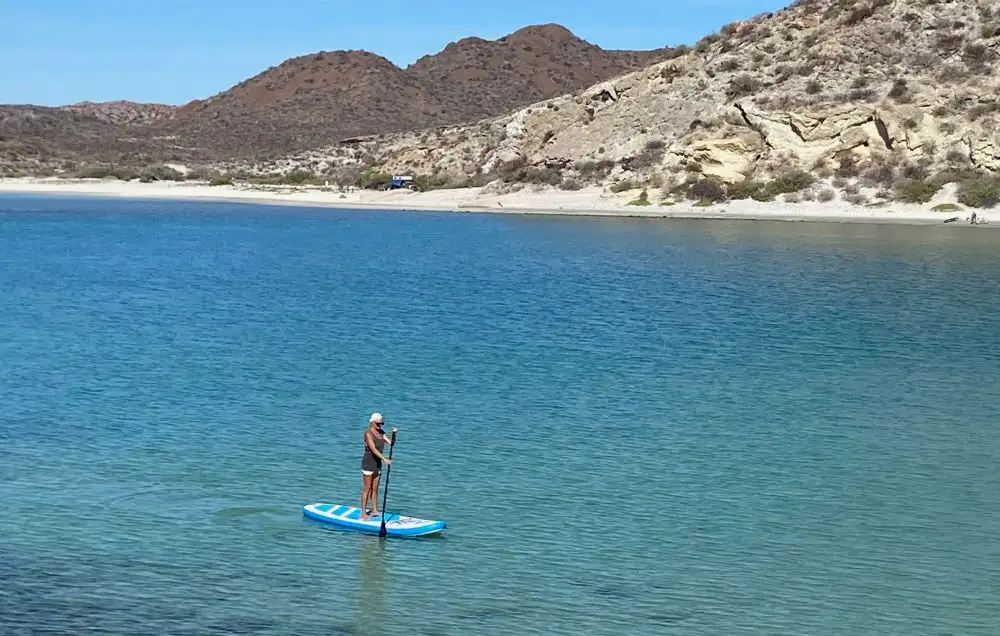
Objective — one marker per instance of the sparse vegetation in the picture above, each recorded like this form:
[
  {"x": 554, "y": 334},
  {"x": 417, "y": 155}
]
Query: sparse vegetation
[
  {"x": 900, "y": 91},
  {"x": 826, "y": 195},
  {"x": 787, "y": 183},
  {"x": 729, "y": 64},
  {"x": 372, "y": 178},
  {"x": 947, "y": 207},
  {"x": 743, "y": 189},
  {"x": 623, "y": 186},
  {"x": 122, "y": 173},
  {"x": 641, "y": 200},
  {"x": 863, "y": 10},
  {"x": 980, "y": 192},
  {"x": 982, "y": 109},
  {"x": 706, "y": 190},
  {"x": 743, "y": 85},
  {"x": 880, "y": 172},
  {"x": 847, "y": 166},
  {"x": 651, "y": 155},
  {"x": 595, "y": 171},
  {"x": 956, "y": 157},
  {"x": 915, "y": 191},
  {"x": 160, "y": 173}
]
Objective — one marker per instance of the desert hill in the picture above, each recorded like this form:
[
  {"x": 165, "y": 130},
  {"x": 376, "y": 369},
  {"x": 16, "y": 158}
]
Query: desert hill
[{"x": 318, "y": 99}]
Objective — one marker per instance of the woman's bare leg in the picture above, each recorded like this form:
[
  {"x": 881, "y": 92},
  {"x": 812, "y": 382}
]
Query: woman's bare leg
[
  {"x": 366, "y": 488},
  {"x": 374, "y": 495}
]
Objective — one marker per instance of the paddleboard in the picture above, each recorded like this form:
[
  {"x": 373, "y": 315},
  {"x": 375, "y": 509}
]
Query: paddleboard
[{"x": 349, "y": 517}]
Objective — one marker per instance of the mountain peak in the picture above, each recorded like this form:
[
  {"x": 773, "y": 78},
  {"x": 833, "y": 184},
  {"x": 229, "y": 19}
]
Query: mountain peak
[{"x": 550, "y": 31}]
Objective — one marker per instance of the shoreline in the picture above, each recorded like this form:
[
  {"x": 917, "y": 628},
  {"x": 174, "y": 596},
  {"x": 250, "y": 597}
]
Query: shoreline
[{"x": 592, "y": 201}]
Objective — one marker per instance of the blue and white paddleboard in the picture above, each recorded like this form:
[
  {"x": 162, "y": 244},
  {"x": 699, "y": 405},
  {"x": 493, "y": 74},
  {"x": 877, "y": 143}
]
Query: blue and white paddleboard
[{"x": 349, "y": 517}]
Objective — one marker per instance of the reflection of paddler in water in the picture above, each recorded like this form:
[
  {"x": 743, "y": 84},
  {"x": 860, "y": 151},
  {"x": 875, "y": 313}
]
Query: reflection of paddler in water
[
  {"x": 371, "y": 464},
  {"x": 372, "y": 608}
]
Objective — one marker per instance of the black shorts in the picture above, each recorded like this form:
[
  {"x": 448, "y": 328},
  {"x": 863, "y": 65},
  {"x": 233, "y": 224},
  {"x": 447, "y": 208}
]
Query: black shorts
[{"x": 370, "y": 466}]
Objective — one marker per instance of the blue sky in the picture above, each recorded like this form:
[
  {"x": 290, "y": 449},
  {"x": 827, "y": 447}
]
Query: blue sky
[{"x": 172, "y": 51}]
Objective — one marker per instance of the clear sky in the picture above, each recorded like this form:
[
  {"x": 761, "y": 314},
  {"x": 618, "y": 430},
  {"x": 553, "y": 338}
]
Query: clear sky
[{"x": 172, "y": 51}]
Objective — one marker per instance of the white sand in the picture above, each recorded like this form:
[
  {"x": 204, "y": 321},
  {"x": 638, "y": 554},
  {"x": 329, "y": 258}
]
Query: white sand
[{"x": 589, "y": 201}]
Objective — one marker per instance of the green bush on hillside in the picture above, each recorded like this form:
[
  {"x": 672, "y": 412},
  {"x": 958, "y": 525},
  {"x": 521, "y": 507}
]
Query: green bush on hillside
[
  {"x": 744, "y": 189},
  {"x": 372, "y": 178},
  {"x": 642, "y": 200},
  {"x": 792, "y": 181},
  {"x": 706, "y": 190},
  {"x": 916, "y": 191},
  {"x": 297, "y": 177},
  {"x": 981, "y": 192}
]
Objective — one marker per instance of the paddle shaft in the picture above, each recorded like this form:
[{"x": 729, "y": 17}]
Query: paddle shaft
[{"x": 385, "y": 487}]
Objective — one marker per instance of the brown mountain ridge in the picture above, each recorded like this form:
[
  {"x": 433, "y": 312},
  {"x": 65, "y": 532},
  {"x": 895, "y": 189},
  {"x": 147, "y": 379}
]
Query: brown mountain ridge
[{"x": 319, "y": 99}]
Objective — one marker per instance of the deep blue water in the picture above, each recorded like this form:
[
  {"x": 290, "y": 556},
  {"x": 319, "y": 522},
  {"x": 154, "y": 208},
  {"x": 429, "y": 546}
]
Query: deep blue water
[{"x": 630, "y": 426}]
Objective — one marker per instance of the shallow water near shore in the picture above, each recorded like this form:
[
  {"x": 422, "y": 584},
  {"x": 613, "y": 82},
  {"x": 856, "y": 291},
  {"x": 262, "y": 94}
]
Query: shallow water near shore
[{"x": 631, "y": 426}]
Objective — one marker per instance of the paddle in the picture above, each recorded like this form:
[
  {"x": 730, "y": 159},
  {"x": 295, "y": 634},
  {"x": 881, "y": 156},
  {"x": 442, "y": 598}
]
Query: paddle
[{"x": 385, "y": 488}]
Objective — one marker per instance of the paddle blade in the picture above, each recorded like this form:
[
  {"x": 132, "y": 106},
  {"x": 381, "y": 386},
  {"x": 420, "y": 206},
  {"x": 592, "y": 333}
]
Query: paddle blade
[{"x": 381, "y": 531}]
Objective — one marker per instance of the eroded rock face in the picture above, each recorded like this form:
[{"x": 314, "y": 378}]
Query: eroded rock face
[
  {"x": 801, "y": 88},
  {"x": 812, "y": 137},
  {"x": 510, "y": 147},
  {"x": 729, "y": 159},
  {"x": 984, "y": 152}
]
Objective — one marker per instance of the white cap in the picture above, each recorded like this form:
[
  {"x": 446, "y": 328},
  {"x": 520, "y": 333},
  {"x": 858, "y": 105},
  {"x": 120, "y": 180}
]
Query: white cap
[{"x": 376, "y": 417}]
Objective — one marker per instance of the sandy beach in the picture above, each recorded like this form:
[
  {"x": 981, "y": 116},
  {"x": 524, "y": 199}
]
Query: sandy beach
[{"x": 592, "y": 201}]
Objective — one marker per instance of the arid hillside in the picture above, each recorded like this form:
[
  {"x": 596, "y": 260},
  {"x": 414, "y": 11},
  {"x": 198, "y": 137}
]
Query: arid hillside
[
  {"x": 316, "y": 100},
  {"x": 476, "y": 78},
  {"x": 123, "y": 112},
  {"x": 898, "y": 98}
]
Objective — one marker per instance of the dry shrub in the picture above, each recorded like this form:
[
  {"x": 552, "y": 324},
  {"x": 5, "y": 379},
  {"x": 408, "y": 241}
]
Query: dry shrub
[
  {"x": 744, "y": 189},
  {"x": 743, "y": 85},
  {"x": 706, "y": 190},
  {"x": 980, "y": 192},
  {"x": 847, "y": 166},
  {"x": 881, "y": 171},
  {"x": 651, "y": 155},
  {"x": 915, "y": 191},
  {"x": 729, "y": 65},
  {"x": 595, "y": 171},
  {"x": 900, "y": 91}
]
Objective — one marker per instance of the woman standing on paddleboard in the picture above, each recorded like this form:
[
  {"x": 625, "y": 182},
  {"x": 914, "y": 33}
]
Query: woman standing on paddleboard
[{"x": 371, "y": 464}]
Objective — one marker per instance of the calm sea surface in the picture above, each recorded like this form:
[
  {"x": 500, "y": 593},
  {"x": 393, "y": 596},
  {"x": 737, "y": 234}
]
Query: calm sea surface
[{"x": 630, "y": 426}]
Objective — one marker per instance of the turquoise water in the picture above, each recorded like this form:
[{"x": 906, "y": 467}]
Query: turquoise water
[{"x": 630, "y": 426}]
